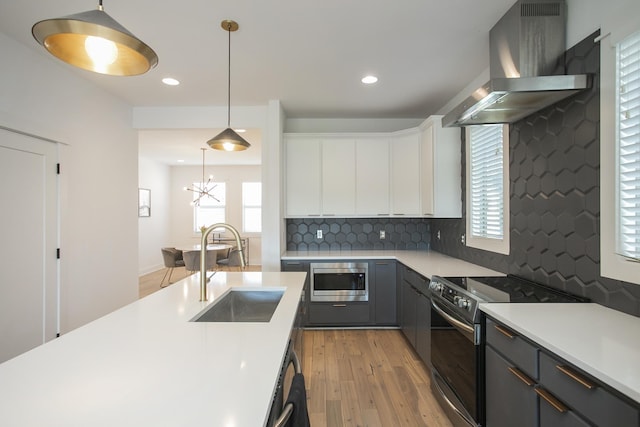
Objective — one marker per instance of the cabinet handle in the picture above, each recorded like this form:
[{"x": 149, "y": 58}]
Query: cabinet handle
[
  {"x": 521, "y": 376},
  {"x": 551, "y": 400},
  {"x": 382, "y": 263},
  {"x": 339, "y": 305},
  {"x": 576, "y": 377},
  {"x": 504, "y": 331}
]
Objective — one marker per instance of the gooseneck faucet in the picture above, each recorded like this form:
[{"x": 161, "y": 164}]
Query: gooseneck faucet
[{"x": 203, "y": 254}]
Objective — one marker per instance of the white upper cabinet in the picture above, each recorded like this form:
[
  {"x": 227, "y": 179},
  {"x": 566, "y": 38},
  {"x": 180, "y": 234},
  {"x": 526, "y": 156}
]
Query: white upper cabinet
[
  {"x": 338, "y": 177},
  {"x": 440, "y": 156},
  {"x": 405, "y": 173},
  {"x": 302, "y": 178},
  {"x": 372, "y": 177},
  {"x": 413, "y": 173}
]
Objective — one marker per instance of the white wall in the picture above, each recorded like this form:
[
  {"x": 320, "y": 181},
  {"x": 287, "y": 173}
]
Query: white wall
[
  {"x": 99, "y": 181},
  {"x": 181, "y": 222},
  {"x": 154, "y": 231}
]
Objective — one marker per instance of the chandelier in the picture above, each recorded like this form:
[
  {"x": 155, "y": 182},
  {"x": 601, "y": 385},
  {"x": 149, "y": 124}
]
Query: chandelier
[{"x": 202, "y": 189}]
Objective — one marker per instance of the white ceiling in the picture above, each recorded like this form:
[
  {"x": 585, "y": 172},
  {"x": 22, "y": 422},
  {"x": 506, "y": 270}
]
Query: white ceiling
[{"x": 308, "y": 54}]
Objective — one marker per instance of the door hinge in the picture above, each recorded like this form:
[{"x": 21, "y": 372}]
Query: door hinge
[
  {"x": 58, "y": 253},
  {"x": 58, "y": 168}
]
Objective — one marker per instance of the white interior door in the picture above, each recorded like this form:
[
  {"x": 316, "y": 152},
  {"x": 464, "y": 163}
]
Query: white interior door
[{"x": 29, "y": 230}]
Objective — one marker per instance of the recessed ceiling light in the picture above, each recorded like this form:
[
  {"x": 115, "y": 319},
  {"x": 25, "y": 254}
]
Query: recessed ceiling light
[
  {"x": 170, "y": 81},
  {"x": 180, "y": 161},
  {"x": 369, "y": 80}
]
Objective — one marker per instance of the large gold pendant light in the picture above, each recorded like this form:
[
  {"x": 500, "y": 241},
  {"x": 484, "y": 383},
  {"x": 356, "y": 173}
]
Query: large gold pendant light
[
  {"x": 228, "y": 139},
  {"x": 94, "y": 41}
]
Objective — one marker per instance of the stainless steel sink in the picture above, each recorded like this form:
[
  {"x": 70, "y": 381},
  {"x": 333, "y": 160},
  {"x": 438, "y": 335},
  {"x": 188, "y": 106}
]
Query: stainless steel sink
[{"x": 240, "y": 305}]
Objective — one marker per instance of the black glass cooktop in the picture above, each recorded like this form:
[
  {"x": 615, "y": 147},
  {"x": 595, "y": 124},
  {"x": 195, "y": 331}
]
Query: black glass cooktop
[{"x": 513, "y": 289}]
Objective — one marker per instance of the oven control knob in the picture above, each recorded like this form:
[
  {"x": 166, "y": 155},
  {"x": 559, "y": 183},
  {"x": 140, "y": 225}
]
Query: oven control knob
[
  {"x": 461, "y": 302},
  {"x": 435, "y": 286}
]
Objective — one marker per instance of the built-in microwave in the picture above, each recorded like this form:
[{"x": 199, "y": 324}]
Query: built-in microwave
[{"x": 339, "y": 281}]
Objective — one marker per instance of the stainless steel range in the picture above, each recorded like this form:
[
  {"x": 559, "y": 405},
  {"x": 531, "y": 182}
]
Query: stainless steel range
[{"x": 456, "y": 335}]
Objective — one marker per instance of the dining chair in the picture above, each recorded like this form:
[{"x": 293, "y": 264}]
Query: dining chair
[
  {"x": 172, "y": 258},
  {"x": 192, "y": 260}
]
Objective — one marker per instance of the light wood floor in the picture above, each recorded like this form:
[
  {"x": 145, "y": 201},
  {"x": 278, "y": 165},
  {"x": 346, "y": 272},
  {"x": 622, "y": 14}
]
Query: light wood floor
[
  {"x": 367, "y": 378},
  {"x": 356, "y": 377}
]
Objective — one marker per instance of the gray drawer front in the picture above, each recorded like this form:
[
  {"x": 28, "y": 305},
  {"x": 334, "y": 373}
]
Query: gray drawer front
[
  {"x": 597, "y": 405},
  {"x": 550, "y": 417},
  {"x": 509, "y": 401},
  {"x": 520, "y": 352},
  {"x": 339, "y": 314}
]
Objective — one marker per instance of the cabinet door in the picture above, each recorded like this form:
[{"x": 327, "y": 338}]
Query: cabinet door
[
  {"x": 423, "y": 329},
  {"x": 385, "y": 293},
  {"x": 338, "y": 177},
  {"x": 372, "y": 177},
  {"x": 510, "y": 396},
  {"x": 302, "y": 176},
  {"x": 408, "y": 324},
  {"x": 440, "y": 169},
  {"x": 405, "y": 175},
  {"x": 427, "y": 170}
]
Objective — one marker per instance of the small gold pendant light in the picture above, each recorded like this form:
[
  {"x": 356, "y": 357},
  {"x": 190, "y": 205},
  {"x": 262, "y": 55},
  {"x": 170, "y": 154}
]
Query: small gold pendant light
[
  {"x": 228, "y": 139},
  {"x": 94, "y": 41}
]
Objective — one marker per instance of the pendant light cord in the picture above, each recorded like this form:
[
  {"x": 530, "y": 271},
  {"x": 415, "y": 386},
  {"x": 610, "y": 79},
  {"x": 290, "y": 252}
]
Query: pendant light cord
[{"x": 229, "y": 79}]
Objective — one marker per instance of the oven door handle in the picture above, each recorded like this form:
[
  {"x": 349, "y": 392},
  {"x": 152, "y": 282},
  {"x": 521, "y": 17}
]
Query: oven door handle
[{"x": 455, "y": 322}]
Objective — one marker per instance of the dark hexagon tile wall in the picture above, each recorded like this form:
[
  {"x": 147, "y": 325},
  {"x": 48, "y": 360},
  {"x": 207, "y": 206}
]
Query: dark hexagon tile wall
[
  {"x": 555, "y": 198},
  {"x": 358, "y": 234}
]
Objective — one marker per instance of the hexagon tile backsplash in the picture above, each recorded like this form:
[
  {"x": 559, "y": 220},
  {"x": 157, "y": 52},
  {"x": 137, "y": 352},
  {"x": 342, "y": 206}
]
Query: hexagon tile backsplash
[
  {"x": 554, "y": 198},
  {"x": 357, "y": 234}
]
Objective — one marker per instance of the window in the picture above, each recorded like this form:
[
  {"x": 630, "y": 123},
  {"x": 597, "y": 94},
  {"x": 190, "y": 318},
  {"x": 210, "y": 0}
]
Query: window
[
  {"x": 620, "y": 143},
  {"x": 209, "y": 211},
  {"x": 487, "y": 192},
  {"x": 252, "y": 207},
  {"x": 628, "y": 146}
]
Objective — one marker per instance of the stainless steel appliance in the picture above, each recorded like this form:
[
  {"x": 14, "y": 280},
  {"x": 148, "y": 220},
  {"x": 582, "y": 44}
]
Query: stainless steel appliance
[
  {"x": 526, "y": 67},
  {"x": 339, "y": 281},
  {"x": 457, "y": 356}
]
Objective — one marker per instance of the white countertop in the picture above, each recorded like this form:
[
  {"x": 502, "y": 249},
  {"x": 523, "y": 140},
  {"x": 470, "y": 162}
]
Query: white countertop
[
  {"x": 602, "y": 342},
  {"x": 147, "y": 365},
  {"x": 427, "y": 263}
]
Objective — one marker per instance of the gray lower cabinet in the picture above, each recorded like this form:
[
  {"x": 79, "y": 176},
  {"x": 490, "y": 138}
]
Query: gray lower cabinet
[
  {"x": 409, "y": 311},
  {"x": 339, "y": 313},
  {"x": 380, "y": 310},
  {"x": 527, "y": 385},
  {"x": 423, "y": 328},
  {"x": 300, "y": 266},
  {"x": 511, "y": 399},
  {"x": 385, "y": 293},
  {"x": 415, "y": 319}
]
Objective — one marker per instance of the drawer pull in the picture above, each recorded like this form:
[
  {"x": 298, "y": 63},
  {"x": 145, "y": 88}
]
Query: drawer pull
[
  {"x": 576, "y": 377},
  {"x": 551, "y": 400},
  {"x": 339, "y": 305},
  {"x": 521, "y": 376},
  {"x": 504, "y": 331}
]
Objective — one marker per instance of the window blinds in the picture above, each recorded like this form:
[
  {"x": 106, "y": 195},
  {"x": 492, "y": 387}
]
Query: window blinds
[
  {"x": 486, "y": 182},
  {"x": 628, "y": 145}
]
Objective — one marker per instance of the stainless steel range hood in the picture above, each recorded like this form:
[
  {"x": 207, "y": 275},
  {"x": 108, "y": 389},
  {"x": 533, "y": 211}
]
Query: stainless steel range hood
[{"x": 526, "y": 69}]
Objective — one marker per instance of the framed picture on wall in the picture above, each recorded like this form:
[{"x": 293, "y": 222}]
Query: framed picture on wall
[{"x": 144, "y": 202}]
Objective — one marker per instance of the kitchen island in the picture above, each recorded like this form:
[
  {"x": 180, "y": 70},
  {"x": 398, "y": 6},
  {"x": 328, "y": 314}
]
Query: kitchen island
[{"x": 146, "y": 364}]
